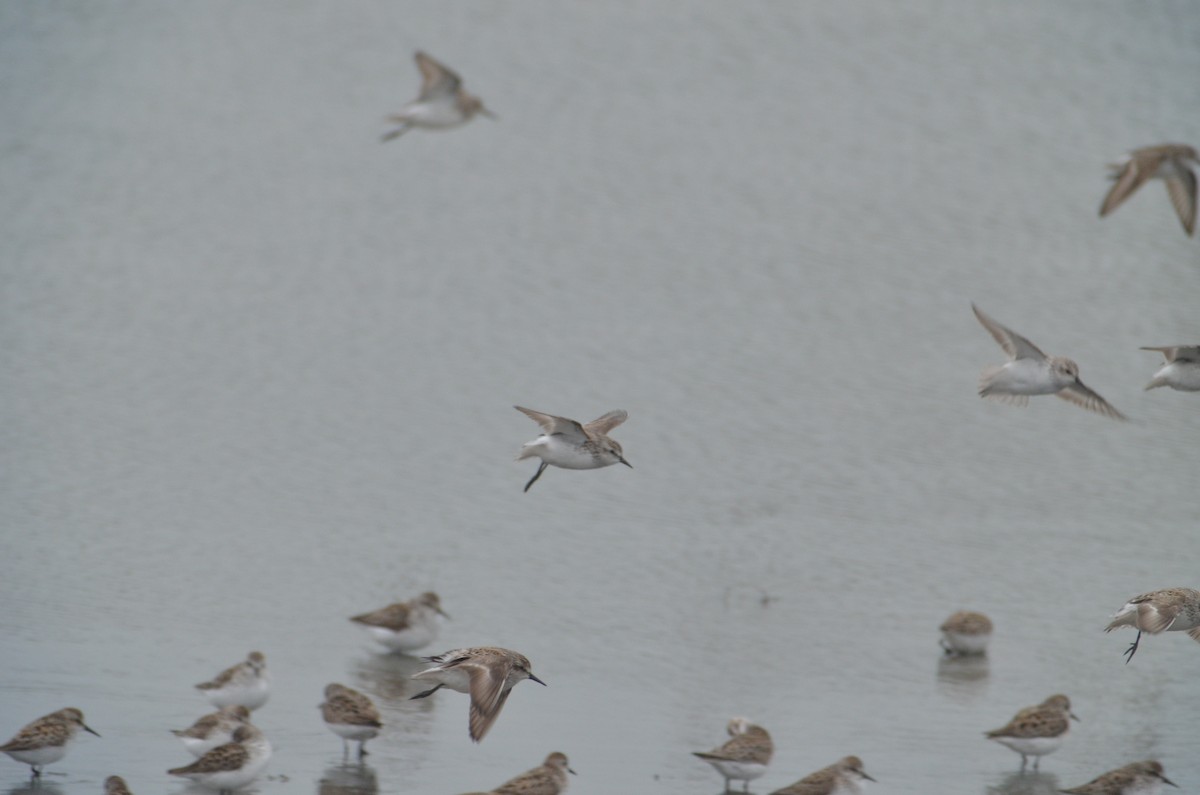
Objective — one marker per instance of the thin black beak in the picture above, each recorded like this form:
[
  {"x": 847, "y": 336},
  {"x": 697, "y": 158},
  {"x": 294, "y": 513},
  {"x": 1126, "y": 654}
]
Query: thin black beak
[
  {"x": 87, "y": 728},
  {"x": 442, "y": 612},
  {"x": 573, "y": 773},
  {"x": 539, "y": 681},
  {"x": 623, "y": 461},
  {"x": 868, "y": 778},
  {"x": 1074, "y": 716},
  {"x": 1166, "y": 780}
]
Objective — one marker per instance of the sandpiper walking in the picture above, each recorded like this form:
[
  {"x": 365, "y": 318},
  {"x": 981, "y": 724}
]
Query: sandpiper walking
[{"x": 45, "y": 740}]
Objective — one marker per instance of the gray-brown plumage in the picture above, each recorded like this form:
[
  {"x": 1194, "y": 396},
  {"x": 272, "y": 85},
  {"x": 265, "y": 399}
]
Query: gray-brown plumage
[
  {"x": 1172, "y": 163},
  {"x": 233, "y": 764},
  {"x": 1165, "y": 610},
  {"x": 548, "y": 778},
  {"x": 442, "y": 103},
  {"x": 843, "y": 777},
  {"x": 1136, "y": 778},
  {"x": 744, "y": 756},
  {"x": 115, "y": 785},
  {"x": 405, "y": 626},
  {"x": 1038, "y": 730},
  {"x": 350, "y": 715},
  {"x": 486, "y": 673},
  {"x": 45, "y": 740}
]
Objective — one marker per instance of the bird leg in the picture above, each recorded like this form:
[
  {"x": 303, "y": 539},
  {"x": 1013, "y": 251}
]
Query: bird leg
[
  {"x": 428, "y": 692},
  {"x": 1133, "y": 647},
  {"x": 537, "y": 475}
]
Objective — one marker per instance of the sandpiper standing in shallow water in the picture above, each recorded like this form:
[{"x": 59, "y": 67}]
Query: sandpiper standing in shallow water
[
  {"x": 211, "y": 730},
  {"x": 744, "y": 756},
  {"x": 248, "y": 683},
  {"x": 1166, "y": 610},
  {"x": 232, "y": 765},
  {"x": 548, "y": 778},
  {"x": 966, "y": 632},
  {"x": 1038, "y": 730},
  {"x": 405, "y": 626},
  {"x": 1182, "y": 369},
  {"x": 1136, "y": 778},
  {"x": 486, "y": 673},
  {"x": 843, "y": 777},
  {"x": 442, "y": 103},
  {"x": 1031, "y": 372},
  {"x": 350, "y": 715},
  {"x": 567, "y": 444},
  {"x": 1172, "y": 163},
  {"x": 45, "y": 740},
  {"x": 115, "y": 785}
]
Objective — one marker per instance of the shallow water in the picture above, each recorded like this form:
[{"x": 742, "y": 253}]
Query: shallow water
[{"x": 258, "y": 371}]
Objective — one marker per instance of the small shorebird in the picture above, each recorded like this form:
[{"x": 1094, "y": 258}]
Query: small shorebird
[
  {"x": 248, "y": 683},
  {"x": 45, "y": 740},
  {"x": 232, "y": 765},
  {"x": 1031, "y": 372},
  {"x": 214, "y": 729},
  {"x": 548, "y": 778},
  {"x": 744, "y": 756},
  {"x": 1182, "y": 370},
  {"x": 966, "y": 632},
  {"x": 115, "y": 785},
  {"x": 350, "y": 715},
  {"x": 405, "y": 626},
  {"x": 567, "y": 444},
  {"x": 442, "y": 103},
  {"x": 486, "y": 673},
  {"x": 1172, "y": 163},
  {"x": 844, "y": 777},
  {"x": 1166, "y": 610},
  {"x": 1136, "y": 778},
  {"x": 1038, "y": 730}
]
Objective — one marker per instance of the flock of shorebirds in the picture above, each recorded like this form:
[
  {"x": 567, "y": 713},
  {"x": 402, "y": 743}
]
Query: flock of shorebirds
[{"x": 231, "y": 752}]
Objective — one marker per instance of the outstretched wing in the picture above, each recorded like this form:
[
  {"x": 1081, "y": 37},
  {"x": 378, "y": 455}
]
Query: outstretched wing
[
  {"x": 1082, "y": 396},
  {"x": 436, "y": 80},
  {"x": 1013, "y": 343},
  {"x": 605, "y": 423}
]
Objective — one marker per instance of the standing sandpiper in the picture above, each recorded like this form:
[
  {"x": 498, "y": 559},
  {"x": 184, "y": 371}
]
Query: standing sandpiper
[
  {"x": 1038, "y": 730},
  {"x": 45, "y": 740},
  {"x": 744, "y": 756}
]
